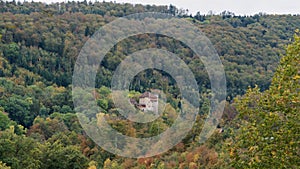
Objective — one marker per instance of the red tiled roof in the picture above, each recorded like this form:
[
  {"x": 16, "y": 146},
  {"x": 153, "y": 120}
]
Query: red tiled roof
[{"x": 149, "y": 95}]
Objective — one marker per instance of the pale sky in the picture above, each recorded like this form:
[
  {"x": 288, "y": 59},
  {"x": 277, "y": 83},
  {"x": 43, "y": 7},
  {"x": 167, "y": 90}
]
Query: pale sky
[{"x": 241, "y": 7}]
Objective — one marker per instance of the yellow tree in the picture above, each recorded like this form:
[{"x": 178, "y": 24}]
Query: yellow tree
[
  {"x": 269, "y": 134},
  {"x": 3, "y": 165}
]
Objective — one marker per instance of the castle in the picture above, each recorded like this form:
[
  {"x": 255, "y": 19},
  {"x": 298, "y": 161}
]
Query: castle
[{"x": 147, "y": 102}]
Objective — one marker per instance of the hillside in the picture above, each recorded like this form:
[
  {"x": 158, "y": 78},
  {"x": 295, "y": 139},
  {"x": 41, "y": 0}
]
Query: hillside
[{"x": 39, "y": 45}]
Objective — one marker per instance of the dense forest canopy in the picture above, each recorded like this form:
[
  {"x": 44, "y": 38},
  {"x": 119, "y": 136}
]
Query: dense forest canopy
[{"x": 39, "y": 45}]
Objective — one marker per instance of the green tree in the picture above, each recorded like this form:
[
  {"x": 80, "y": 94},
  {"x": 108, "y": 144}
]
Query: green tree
[
  {"x": 18, "y": 109},
  {"x": 11, "y": 52},
  {"x": 19, "y": 151},
  {"x": 4, "y": 120},
  {"x": 59, "y": 156}
]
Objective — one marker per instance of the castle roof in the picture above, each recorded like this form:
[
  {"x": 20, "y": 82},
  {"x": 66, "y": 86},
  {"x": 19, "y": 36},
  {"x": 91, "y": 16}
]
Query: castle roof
[{"x": 149, "y": 95}]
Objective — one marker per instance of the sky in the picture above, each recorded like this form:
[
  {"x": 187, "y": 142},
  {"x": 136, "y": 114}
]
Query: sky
[{"x": 239, "y": 7}]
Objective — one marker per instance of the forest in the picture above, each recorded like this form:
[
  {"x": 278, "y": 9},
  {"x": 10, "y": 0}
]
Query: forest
[{"x": 39, "y": 128}]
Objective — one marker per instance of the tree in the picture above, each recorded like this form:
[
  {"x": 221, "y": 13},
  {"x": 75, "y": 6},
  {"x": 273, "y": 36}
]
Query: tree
[
  {"x": 269, "y": 134},
  {"x": 18, "y": 110},
  {"x": 4, "y": 120},
  {"x": 3, "y": 165},
  {"x": 11, "y": 52},
  {"x": 19, "y": 151},
  {"x": 58, "y": 156}
]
